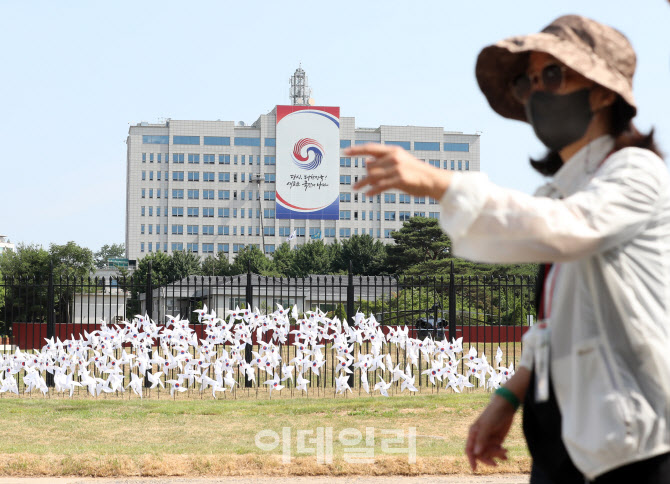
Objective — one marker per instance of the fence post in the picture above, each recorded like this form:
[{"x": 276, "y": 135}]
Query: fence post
[
  {"x": 350, "y": 308},
  {"x": 149, "y": 309},
  {"x": 452, "y": 303},
  {"x": 51, "y": 323},
  {"x": 249, "y": 297}
]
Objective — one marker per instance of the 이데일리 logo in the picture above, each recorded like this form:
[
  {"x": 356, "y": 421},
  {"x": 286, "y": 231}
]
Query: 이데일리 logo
[{"x": 307, "y": 145}]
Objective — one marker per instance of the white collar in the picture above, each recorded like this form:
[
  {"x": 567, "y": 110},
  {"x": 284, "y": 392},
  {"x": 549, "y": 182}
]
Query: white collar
[{"x": 581, "y": 166}]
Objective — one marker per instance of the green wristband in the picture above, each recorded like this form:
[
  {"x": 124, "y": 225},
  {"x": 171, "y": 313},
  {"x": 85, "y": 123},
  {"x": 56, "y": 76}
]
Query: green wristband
[{"x": 508, "y": 395}]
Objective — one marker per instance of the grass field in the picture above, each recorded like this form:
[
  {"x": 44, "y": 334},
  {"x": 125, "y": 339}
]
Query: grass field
[{"x": 120, "y": 437}]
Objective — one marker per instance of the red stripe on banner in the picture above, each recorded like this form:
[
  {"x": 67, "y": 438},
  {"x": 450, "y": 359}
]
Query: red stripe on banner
[
  {"x": 283, "y": 111},
  {"x": 284, "y": 202}
]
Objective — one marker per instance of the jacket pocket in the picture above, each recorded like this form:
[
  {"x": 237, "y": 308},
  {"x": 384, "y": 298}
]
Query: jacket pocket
[{"x": 596, "y": 420}]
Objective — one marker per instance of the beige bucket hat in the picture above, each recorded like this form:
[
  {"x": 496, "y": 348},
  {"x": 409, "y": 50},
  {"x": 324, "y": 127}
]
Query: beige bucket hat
[{"x": 596, "y": 51}]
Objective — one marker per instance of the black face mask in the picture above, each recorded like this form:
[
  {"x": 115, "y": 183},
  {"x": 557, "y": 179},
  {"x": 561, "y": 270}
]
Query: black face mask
[{"x": 559, "y": 119}]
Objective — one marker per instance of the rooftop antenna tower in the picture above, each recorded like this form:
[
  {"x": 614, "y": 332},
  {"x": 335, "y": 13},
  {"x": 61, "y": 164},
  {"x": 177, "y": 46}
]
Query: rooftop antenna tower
[{"x": 300, "y": 93}]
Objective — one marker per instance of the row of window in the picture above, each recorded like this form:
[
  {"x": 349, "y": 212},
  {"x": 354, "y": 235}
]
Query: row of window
[
  {"x": 207, "y": 140},
  {"x": 208, "y": 248},
  {"x": 245, "y": 141},
  {"x": 418, "y": 145},
  {"x": 208, "y": 212},
  {"x": 207, "y": 159},
  {"x": 446, "y": 164},
  {"x": 388, "y": 215}
]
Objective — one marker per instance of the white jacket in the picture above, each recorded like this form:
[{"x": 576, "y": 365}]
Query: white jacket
[{"x": 607, "y": 224}]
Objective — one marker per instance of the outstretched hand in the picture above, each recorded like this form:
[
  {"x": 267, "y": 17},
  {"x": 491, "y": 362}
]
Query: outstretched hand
[
  {"x": 487, "y": 434},
  {"x": 392, "y": 167}
]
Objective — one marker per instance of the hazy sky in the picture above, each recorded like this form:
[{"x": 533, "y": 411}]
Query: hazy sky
[{"x": 76, "y": 74}]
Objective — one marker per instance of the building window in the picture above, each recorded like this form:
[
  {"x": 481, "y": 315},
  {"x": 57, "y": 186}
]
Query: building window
[
  {"x": 269, "y": 195},
  {"x": 193, "y": 194},
  {"x": 193, "y": 158},
  {"x": 346, "y": 162},
  {"x": 268, "y": 231},
  {"x": 224, "y": 177},
  {"x": 269, "y": 213},
  {"x": 141, "y": 246},
  {"x": 467, "y": 165},
  {"x": 144, "y": 175},
  {"x": 207, "y": 230},
  {"x": 329, "y": 232},
  {"x": 404, "y": 198},
  {"x": 193, "y": 211},
  {"x": 208, "y": 159},
  {"x": 208, "y": 194},
  {"x": 457, "y": 147},
  {"x": 177, "y": 230},
  {"x": 345, "y": 179},
  {"x": 345, "y": 232},
  {"x": 177, "y": 193},
  {"x": 345, "y": 143},
  {"x": 217, "y": 140},
  {"x": 345, "y": 214},
  {"x": 192, "y": 247},
  {"x": 460, "y": 164},
  {"x": 426, "y": 146},
  {"x": 270, "y": 178},
  {"x": 387, "y": 233},
  {"x": 241, "y": 141},
  {"x": 155, "y": 140},
  {"x": 270, "y": 142},
  {"x": 404, "y": 216},
  {"x": 177, "y": 176},
  {"x": 345, "y": 197},
  {"x": 435, "y": 215},
  {"x": 403, "y": 144},
  {"x": 224, "y": 159},
  {"x": 177, "y": 211},
  {"x": 177, "y": 157},
  {"x": 177, "y": 246},
  {"x": 269, "y": 160},
  {"x": 192, "y": 229},
  {"x": 143, "y": 193},
  {"x": 222, "y": 248},
  {"x": 419, "y": 214},
  {"x": 224, "y": 194},
  {"x": 389, "y": 198},
  {"x": 208, "y": 212},
  {"x": 420, "y": 200},
  {"x": 435, "y": 163},
  {"x": 207, "y": 248},
  {"x": 224, "y": 212},
  {"x": 186, "y": 140},
  {"x": 142, "y": 229}
]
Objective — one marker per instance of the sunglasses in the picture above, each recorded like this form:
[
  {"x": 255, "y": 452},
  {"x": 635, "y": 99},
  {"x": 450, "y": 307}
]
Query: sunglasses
[{"x": 552, "y": 77}]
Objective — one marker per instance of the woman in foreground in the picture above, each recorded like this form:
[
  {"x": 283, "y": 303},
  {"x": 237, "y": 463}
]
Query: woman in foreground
[{"x": 595, "y": 371}]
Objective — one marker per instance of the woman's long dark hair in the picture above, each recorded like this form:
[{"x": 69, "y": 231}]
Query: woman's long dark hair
[{"x": 623, "y": 130}]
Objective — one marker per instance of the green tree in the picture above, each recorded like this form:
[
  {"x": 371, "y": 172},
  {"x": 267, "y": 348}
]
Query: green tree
[
  {"x": 107, "y": 252},
  {"x": 312, "y": 258},
  {"x": 184, "y": 264},
  {"x": 367, "y": 255},
  {"x": 283, "y": 259},
  {"x": 71, "y": 260},
  {"x": 252, "y": 257},
  {"x": 216, "y": 266},
  {"x": 419, "y": 240}
]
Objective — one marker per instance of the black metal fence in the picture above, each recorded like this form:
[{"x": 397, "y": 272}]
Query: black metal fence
[{"x": 487, "y": 312}]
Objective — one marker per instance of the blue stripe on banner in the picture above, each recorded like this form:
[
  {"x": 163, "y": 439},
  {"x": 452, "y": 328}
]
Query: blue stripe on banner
[{"x": 331, "y": 212}]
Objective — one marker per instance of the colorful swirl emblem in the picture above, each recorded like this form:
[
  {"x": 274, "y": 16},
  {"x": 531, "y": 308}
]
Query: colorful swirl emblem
[{"x": 308, "y": 145}]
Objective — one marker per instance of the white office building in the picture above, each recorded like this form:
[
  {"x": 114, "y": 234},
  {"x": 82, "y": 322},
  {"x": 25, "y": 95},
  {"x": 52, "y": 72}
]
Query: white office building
[
  {"x": 5, "y": 244},
  {"x": 209, "y": 186}
]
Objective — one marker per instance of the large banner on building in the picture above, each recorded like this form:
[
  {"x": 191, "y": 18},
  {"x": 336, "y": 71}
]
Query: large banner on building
[{"x": 308, "y": 162}]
